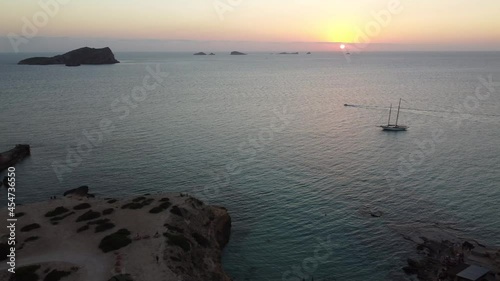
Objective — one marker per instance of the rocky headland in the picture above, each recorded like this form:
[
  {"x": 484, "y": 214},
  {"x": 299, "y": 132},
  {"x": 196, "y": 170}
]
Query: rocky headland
[
  {"x": 148, "y": 237},
  {"x": 11, "y": 157},
  {"x": 444, "y": 254},
  {"x": 76, "y": 57}
]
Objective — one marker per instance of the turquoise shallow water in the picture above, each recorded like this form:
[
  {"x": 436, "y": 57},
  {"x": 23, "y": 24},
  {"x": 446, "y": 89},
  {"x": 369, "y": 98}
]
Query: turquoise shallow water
[{"x": 269, "y": 137}]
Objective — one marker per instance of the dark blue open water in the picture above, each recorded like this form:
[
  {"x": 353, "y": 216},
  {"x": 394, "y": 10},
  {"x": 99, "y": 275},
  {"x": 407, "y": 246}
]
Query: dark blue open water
[{"x": 269, "y": 137}]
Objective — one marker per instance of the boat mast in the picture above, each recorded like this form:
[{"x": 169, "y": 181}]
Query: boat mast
[
  {"x": 389, "y": 121},
  {"x": 397, "y": 117}
]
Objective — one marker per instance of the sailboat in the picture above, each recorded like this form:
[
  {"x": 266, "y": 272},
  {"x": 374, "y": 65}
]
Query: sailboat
[{"x": 395, "y": 126}]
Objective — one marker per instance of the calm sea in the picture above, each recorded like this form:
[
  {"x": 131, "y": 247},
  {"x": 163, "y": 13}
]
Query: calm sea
[{"x": 268, "y": 137}]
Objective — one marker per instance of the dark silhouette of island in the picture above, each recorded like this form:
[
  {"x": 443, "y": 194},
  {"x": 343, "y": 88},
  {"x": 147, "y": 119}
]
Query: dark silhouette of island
[
  {"x": 308, "y": 53},
  {"x": 76, "y": 57},
  {"x": 285, "y": 53},
  {"x": 211, "y": 54},
  {"x": 235, "y": 53},
  {"x": 200, "y": 54}
]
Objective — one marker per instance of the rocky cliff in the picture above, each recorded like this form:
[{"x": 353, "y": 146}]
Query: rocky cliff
[{"x": 160, "y": 237}]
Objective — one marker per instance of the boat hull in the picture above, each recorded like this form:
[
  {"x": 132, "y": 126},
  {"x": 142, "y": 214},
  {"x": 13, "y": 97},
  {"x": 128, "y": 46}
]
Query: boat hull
[{"x": 395, "y": 128}]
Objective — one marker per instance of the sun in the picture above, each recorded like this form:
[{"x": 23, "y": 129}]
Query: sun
[{"x": 342, "y": 46}]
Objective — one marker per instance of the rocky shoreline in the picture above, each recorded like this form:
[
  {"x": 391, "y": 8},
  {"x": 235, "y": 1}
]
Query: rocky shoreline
[
  {"x": 446, "y": 256},
  {"x": 148, "y": 237},
  {"x": 11, "y": 157}
]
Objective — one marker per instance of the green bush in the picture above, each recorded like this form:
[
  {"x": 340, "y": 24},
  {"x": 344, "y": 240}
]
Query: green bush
[
  {"x": 30, "y": 227},
  {"x": 56, "y": 275},
  {"x": 82, "y": 206},
  {"x": 156, "y": 210},
  {"x": 176, "y": 211},
  {"x": 32, "y": 238},
  {"x": 4, "y": 251},
  {"x": 101, "y": 221},
  {"x": 83, "y": 228},
  {"x": 202, "y": 241},
  {"x": 20, "y": 214},
  {"x": 25, "y": 273},
  {"x": 104, "y": 227},
  {"x": 108, "y": 211},
  {"x": 89, "y": 215},
  {"x": 115, "y": 241},
  {"x": 61, "y": 217},
  {"x": 133, "y": 206},
  {"x": 56, "y": 212},
  {"x": 178, "y": 240},
  {"x": 138, "y": 199},
  {"x": 163, "y": 206},
  {"x": 173, "y": 228}
]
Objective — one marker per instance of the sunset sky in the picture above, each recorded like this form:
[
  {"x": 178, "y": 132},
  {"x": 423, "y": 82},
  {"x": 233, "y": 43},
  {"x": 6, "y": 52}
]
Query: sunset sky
[{"x": 254, "y": 24}]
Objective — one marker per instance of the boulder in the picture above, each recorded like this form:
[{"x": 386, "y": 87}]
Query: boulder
[
  {"x": 76, "y": 57},
  {"x": 82, "y": 191}
]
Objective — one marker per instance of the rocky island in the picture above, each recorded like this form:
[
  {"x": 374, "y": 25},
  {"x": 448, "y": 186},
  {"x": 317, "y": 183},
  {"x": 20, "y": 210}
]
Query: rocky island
[
  {"x": 149, "y": 237},
  {"x": 76, "y": 57},
  {"x": 200, "y": 54},
  {"x": 285, "y": 53},
  {"x": 235, "y": 53}
]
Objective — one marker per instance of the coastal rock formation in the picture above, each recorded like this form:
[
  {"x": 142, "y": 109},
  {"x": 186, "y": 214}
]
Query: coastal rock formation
[
  {"x": 235, "y": 53},
  {"x": 82, "y": 191},
  {"x": 200, "y": 54},
  {"x": 76, "y": 57},
  {"x": 161, "y": 237},
  {"x": 211, "y": 54},
  {"x": 11, "y": 157},
  {"x": 285, "y": 53},
  {"x": 443, "y": 255}
]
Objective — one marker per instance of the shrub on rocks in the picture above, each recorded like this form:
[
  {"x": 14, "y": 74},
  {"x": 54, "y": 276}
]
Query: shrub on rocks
[
  {"x": 83, "y": 228},
  {"x": 56, "y": 212},
  {"x": 25, "y": 273},
  {"x": 178, "y": 240},
  {"x": 104, "y": 227},
  {"x": 115, "y": 241},
  {"x": 30, "y": 227},
  {"x": 89, "y": 215},
  {"x": 108, "y": 211},
  {"x": 82, "y": 206}
]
